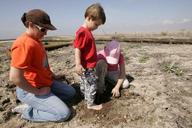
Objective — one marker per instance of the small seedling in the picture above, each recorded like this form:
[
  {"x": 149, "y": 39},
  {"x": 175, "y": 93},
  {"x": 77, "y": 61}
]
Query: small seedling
[
  {"x": 173, "y": 68},
  {"x": 143, "y": 59}
]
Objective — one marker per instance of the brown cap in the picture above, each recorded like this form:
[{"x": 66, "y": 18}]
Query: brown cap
[{"x": 38, "y": 17}]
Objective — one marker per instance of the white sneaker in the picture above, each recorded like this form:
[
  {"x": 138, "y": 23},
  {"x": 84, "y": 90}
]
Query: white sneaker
[
  {"x": 126, "y": 84},
  {"x": 20, "y": 108}
]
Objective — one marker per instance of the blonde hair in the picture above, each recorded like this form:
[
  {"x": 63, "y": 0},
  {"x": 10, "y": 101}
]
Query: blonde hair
[{"x": 95, "y": 12}]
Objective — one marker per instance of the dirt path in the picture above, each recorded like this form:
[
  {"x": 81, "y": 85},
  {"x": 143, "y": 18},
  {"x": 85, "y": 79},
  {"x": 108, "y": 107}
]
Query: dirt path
[{"x": 160, "y": 95}]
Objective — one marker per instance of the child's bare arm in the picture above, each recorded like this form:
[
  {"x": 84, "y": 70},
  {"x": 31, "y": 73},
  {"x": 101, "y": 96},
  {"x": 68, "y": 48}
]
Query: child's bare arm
[
  {"x": 78, "y": 67},
  {"x": 120, "y": 80}
]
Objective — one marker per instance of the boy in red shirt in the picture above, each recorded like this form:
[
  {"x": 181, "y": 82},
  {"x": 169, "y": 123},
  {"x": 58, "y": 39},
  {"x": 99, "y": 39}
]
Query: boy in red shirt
[{"x": 86, "y": 54}]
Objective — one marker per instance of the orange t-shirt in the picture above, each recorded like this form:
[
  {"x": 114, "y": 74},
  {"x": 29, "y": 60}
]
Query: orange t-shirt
[{"x": 30, "y": 56}]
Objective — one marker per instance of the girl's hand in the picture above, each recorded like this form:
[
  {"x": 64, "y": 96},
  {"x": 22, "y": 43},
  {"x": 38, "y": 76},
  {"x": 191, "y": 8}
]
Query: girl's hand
[{"x": 115, "y": 92}]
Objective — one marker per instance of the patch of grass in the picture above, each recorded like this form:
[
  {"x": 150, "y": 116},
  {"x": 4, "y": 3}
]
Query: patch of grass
[
  {"x": 127, "y": 59},
  {"x": 172, "y": 67},
  {"x": 143, "y": 59}
]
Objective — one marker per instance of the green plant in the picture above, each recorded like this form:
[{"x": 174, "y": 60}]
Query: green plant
[
  {"x": 127, "y": 59},
  {"x": 173, "y": 68},
  {"x": 143, "y": 59}
]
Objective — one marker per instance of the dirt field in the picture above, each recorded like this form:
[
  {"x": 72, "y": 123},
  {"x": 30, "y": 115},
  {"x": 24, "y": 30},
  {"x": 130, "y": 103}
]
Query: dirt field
[{"x": 160, "y": 95}]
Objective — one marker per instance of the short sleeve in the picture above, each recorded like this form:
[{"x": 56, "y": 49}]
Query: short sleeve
[
  {"x": 80, "y": 40},
  {"x": 100, "y": 57},
  {"x": 121, "y": 59},
  {"x": 20, "y": 56}
]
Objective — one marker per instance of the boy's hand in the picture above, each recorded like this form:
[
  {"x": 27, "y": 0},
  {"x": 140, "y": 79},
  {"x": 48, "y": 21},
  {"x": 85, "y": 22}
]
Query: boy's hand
[{"x": 79, "y": 69}]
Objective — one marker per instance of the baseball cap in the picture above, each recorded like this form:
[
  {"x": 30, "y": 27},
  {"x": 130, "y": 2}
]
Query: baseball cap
[
  {"x": 112, "y": 52},
  {"x": 38, "y": 17}
]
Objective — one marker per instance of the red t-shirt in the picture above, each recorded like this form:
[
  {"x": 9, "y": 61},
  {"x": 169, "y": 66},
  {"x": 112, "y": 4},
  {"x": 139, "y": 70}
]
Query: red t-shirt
[
  {"x": 30, "y": 55},
  {"x": 114, "y": 67},
  {"x": 85, "y": 41}
]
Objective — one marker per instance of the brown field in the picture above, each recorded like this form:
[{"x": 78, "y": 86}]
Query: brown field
[{"x": 160, "y": 95}]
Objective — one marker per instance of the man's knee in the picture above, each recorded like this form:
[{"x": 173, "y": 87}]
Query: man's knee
[
  {"x": 63, "y": 114},
  {"x": 72, "y": 93}
]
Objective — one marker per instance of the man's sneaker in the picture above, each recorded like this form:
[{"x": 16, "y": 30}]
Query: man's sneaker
[{"x": 20, "y": 108}]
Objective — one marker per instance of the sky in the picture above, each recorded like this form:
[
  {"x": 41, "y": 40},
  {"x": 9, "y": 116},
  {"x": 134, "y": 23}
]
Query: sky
[{"x": 122, "y": 16}]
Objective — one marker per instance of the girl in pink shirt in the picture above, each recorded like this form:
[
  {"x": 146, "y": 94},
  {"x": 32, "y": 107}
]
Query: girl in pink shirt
[{"x": 111, "y": 65}]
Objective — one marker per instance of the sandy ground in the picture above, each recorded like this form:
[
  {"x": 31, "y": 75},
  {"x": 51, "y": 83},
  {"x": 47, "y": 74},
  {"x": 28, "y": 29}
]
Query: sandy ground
[{"x": 160, "y": 95}]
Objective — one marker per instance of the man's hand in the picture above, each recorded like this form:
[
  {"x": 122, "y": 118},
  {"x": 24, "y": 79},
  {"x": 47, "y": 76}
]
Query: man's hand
[
  {"x": 59, "y": 77},
  {"x": 43, "y": 91}
]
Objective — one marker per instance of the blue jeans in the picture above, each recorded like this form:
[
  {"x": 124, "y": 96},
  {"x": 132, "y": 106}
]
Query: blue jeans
[{"x": 50, "y": 107}]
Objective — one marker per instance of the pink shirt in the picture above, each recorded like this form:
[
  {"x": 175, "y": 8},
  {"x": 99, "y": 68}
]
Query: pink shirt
[{"x": 114, "y": 67}]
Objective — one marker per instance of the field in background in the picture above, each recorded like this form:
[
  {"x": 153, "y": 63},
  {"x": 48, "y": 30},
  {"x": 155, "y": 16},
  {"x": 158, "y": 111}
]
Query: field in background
[
  {"x": 160, "y": 94},
  {"x": 163, "y": 37},
  {"x": 166, "y": 37}
]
